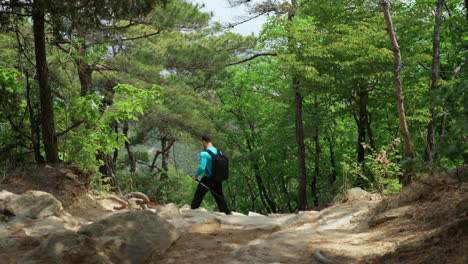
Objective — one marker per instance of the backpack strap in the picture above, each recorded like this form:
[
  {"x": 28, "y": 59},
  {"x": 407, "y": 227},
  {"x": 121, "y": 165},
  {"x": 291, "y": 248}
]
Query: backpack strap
[{"x": 211, "y": 152}]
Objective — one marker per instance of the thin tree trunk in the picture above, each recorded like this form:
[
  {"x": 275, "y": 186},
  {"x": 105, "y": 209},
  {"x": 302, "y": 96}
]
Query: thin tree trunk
[
  {"x": 271, "y": 208},
  {"x": 435, "y": 81},
  {"x": 369, "y": 130},
  {"x": 409, "y": 151},
  {"x": 362, "y": 124},
  {"x": 252, "y": 195},
  {"x": 47, "y": 111},
  {"x": 302, "y": 179},
  {"x": 285, "y": 193},
  {"x": 298, "y": 98},
  {"x": 318, "y": 150},
  {"x": 165, "y": 158},
  {"x": 332, "y": 177},
  {"x": 35, "y": 138},
  {"x": 107, "y": 170},
  {"x": 116, "y": 151},
  {"x": 129, "y": 150}
]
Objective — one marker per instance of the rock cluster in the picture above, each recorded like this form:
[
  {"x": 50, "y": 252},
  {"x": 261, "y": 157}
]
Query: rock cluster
[{"x": 118, "y": 237}]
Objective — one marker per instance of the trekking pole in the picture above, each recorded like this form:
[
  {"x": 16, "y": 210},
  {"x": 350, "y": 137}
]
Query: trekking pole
[{"x": 211, "y": 191}]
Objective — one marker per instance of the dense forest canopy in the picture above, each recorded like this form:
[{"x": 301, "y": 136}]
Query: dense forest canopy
[{"x": 330, "y": 95}]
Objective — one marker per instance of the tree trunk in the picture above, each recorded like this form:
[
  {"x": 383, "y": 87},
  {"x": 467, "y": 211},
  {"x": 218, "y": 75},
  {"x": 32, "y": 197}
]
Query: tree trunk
[
  {"x": 435, "y": 81},
  {"x": 129, "y": 150},
  {"x": 47, "y": 109},
  {"x": 302, "y": 177},
  {"x": 332, "y": 177},
  {"x": 116, "y": 151},
  {"x": 165, "y": 158},
  {"x": 107, "y": 170},
  {"x": 369, "y": 131},
  {"x": 362, "y": 123},
  {"x": 269, "y": 205},
  {"x": 85, "y": 73},
  {"x": 35, "y": 129},
  {"x": 285, "y": 192},
  {"x": 409, "y": 151},
  {"x": 313, "y": 184}
]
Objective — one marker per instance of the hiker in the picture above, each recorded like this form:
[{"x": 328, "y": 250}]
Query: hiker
[{"x": 209, "y": 182}]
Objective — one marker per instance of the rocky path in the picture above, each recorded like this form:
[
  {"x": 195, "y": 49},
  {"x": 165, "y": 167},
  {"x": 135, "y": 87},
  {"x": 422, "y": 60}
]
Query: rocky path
[
  {"x": 339, "y": 233},
  {"x": 424, "y": 224}
]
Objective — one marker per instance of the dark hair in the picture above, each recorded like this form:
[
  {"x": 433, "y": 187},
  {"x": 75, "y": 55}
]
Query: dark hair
[{"x": 206, "y": 138}]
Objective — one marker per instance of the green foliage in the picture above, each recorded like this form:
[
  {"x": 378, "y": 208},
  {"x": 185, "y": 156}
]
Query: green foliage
[
  {"x": 13, "y": 108},
  {"x": 178, "y": 188},
  {"x": 183, "y": 81},
  {"x": 82, "y": 145}
]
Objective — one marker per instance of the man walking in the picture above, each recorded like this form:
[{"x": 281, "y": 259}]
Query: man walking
[{"x": 207, "y": 183}]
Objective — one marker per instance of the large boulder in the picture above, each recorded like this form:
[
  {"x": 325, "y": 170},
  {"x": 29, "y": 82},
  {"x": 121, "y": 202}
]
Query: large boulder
[
  {"x": 132, "y": 236},
  {"x": 48, "y": 225},
  {"x": 356, "y": 194},
  {"x": 181, "y": 223},
  {"x": 32, "y": 204},
  {"x": 66, "y": 248},
  {"x": 5, "y": 194}
]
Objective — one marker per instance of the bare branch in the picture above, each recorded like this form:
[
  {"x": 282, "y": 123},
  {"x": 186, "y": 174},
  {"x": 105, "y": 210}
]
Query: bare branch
[
  {"x": 253, "y": 57},
  {"x": 77, "y": 124},
  {"x": 126, "y": 39},
  {"x": 424, "y": 66}
]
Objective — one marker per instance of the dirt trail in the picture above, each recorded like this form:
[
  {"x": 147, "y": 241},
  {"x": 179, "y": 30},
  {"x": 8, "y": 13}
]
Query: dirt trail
[{"x": 425, "y": 223}]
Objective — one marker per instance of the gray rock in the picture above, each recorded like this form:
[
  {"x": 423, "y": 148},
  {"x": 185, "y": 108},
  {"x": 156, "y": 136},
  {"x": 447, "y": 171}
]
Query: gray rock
[
  {"x": 287, "y": 220},
  {"x": 248, "y": 222},
  {"x": 236, "y": 213},
  {"x": 69, "y": 219},
  {"x": 132, "y": 237},
  {"x": 169, "y": 211},
  {"x": 389, "y": 215},
  {"x": 375, "y": 197},
  {"x": 33, "y": 204},
  {"x": 180, "y": 223},
  {"x": 253, "y": 214},
  {"x": 189, "y": 213},
  {"x": 19, "y": 221},
  {"x": 48, "y": 225},
  {"x": 66, "y": 248},
  {"x": 5, "y": 194},
  {"x": 185, "y": 206},
  {"x": 306, "y": 218},
  {"x": 356, "y": 194}
]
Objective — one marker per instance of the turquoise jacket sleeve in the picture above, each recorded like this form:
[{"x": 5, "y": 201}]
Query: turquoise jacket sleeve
[{"x": 202, "y": 166}]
